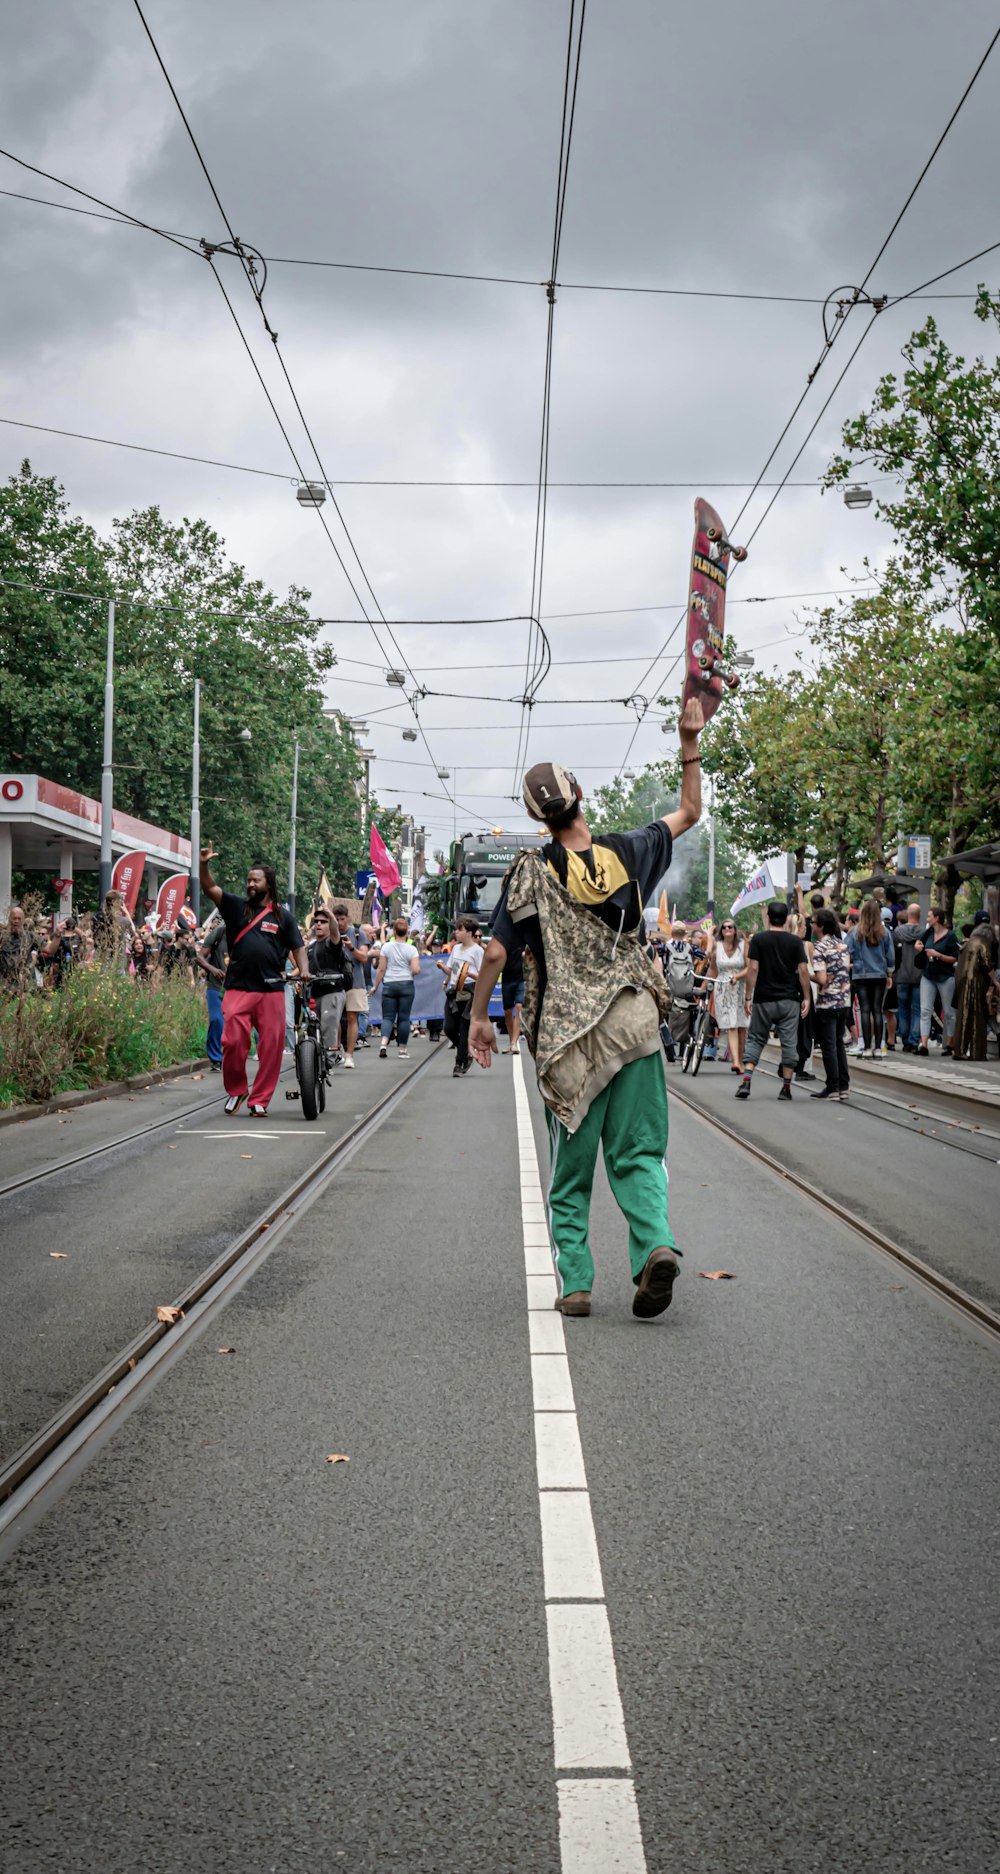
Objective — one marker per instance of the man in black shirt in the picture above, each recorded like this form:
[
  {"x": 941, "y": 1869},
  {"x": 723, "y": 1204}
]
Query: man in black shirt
[
  {"x": 16, "y": 947},
  {"x": 261, "y": 934},
  {"x": 778, "y": 979}
]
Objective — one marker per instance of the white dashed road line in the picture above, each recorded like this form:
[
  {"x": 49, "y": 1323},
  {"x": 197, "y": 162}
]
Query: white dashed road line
[{"x": 599, "y": 1830}]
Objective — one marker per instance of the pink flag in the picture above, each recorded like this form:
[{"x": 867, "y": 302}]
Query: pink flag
[{"x": 384, "y": 865}]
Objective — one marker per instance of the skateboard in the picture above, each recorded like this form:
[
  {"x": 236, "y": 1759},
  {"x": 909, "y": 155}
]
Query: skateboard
[{"x": 705, "y": 675}]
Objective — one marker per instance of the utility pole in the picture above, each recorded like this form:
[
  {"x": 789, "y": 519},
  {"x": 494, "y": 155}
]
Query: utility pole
[
  {"x": 291, "y": 849},
  {"x": 107, "y": 770},
  {"x": 711, "y": 849},
  {"x": 196, "y": 803}
]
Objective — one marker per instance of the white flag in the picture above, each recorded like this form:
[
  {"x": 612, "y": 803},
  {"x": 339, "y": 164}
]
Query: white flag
[{"x": 757, "y": 890}]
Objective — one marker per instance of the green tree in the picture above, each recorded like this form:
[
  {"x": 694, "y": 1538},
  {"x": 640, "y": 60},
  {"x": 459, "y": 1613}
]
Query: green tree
[
  {"x": 938, "y": 430},
  {"x": 183, "y": 609}
]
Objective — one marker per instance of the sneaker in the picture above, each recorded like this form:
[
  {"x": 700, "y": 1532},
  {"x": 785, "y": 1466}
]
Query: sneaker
[
  {"x": 824, "y": 1093},
  {"x": 805, "y": 1076},
  {"x": 655, "y": 1287},
  {"x": 234, "y": 1102},
  {"x": 923, "y": 1049},
  {"x": 946, "y": 1051},
  {"x": 577, "y": 1304},
  {"x": 383, "y": 1052},
  {"x": 785, "y": 1090},
  {"x": 402, "y": 1054},
  {"x": 859, "y": 1048},
  {"x": 348, "y": 1061},
  {"x": 456, "y": 1073},
  {"x": 257, "y": 1112},
  {"x": 743, "y": 1090}
]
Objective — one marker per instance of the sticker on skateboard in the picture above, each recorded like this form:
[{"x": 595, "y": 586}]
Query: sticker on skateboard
[{"x": 705, "y": 674}]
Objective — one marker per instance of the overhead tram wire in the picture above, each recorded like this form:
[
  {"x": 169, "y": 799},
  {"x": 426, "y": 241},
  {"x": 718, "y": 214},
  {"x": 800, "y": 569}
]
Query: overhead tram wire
[
  {"x": 120, "y": 218},
  {"x": 282, "y": 475},
  {"x": 862, "y": 290},
  {"x": 249, "y": 269},
  {"x": 860, "y": 296},
  {"x": 538, "y": 655}
]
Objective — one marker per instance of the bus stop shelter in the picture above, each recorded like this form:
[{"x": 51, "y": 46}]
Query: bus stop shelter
[{"x": 45, "y": 827}]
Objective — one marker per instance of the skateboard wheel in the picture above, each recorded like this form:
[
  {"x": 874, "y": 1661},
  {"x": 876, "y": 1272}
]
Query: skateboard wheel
[
  {"x": 739, "y": 553},
  {"x": 713, "y": 533}
]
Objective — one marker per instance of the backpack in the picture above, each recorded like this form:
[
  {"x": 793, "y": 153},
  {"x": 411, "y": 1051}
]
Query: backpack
[{"x": 680, "y": 975}]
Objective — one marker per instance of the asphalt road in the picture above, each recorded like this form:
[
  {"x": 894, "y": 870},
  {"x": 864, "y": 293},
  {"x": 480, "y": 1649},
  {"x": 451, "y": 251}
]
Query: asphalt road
[
  {"x": 226, "y": 1654},
  {"x": 921, "y": 1188},
  {"x": 132, "y": 1227}
]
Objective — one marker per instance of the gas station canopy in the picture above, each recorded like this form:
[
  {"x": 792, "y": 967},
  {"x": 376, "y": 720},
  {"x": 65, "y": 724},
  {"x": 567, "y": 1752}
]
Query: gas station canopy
[{"x": 45, "y": 827}]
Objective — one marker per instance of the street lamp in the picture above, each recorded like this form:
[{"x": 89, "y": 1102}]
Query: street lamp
[
  {"x": 859, "y": 495},
  {"x": 397, "y": 677},
  {"x": 409, "y": 735},
  {"x": 310, "y": 494},
  {"x": 743, "y": 660}
]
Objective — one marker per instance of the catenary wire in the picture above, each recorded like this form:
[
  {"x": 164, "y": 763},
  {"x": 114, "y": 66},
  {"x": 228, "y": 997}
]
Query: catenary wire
[
  {"x": 282, "y": 475},
  {"x": 121, "y": 218},
  {"x": 248, "y": 269}
]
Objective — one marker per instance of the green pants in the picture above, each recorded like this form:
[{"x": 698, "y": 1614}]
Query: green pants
[{"x": 629, "y": 1118}]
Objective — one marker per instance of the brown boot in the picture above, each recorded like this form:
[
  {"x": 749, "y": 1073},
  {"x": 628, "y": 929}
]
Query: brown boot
[
  {"x": 655, "y": 1288},
  {"x": 577, "y": 1303}
]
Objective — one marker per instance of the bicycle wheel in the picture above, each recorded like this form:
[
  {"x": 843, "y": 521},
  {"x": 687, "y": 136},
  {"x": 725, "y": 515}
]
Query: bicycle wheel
[
  {"x": 698, "y": 1049},
  {"x": 324, "y": 1069},
  {"x": 686, "y": 1052},
  {"x": 307, "y": 1072}
]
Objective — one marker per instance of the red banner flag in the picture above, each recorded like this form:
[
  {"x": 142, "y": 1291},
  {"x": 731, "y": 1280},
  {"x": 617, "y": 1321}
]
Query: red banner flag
[
  {"x": 173, "y": 892},
  {"x": 127, "y": 877},
  {"x": 384, "y": 865}
]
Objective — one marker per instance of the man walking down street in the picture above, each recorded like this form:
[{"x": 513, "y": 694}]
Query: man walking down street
[
  {"x": 592, "y": 1011},
  {"x": 908, "y": 979},
  {"x": 778, "y": 979},
  {"x": 357, "y": 995},
  {"x": 261, "y": 933},
  {"x": 213, "y": 956}
]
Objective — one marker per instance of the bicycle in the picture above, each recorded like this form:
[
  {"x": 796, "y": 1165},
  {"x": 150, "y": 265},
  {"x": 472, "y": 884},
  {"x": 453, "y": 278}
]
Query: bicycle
[
  {"x": 699, "y": 1028},
  {"x": 313, "y": 1059}
]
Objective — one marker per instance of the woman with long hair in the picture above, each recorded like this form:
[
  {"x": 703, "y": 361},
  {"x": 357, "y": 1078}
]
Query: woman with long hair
[
  {"x": 732, "y": 1004},
  {"x": 831, "y": 968},
  {"x": 975, "y": 973},
  {"x": 872, "y": 962},
  {"x": 139, "y": 959}
]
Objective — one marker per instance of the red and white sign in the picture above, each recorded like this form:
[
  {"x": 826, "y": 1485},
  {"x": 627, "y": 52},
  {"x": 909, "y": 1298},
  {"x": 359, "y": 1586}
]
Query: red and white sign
[
  {"x": 173, "y": 892},
  {"x": 12, "y": 790},
  {"x": 127, "y": 877}
]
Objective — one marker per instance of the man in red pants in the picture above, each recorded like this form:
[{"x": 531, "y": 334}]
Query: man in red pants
[{"x": 261, "y": 935}]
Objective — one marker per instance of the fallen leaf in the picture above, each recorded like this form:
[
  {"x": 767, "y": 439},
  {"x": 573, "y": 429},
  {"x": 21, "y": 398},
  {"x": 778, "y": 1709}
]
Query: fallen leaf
[
  {"x": 58, "y": 1255},
  {"x": 197, "y": 1076},
  {"x": 171, "y": 1148},
  {"x": 716, "y": 1275},
  {"x": 225, "y": 1350},
  {"x": 246, "y": 1154},
  {"x": 338, "y": 1457},
  {"x": 170, "y": 1315},
  {"x": 131, "y": 1364}
]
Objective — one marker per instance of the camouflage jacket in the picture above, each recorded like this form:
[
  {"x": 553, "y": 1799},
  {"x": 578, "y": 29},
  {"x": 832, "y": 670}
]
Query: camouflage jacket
[{"x": 602, "y": 1003}]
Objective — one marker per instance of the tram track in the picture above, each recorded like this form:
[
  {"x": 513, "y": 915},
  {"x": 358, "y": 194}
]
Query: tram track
[
  {"x": 41, "y": 1172},
  {"x": 53, "y": 1457},
  {"x": 960, "y": 1135},
  {"x": 968, "y": 1306}
]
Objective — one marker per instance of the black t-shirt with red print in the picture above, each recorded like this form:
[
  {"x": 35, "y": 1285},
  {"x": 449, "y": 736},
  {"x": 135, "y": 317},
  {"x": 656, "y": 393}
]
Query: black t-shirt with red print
[{"x": 257, "y": 960}]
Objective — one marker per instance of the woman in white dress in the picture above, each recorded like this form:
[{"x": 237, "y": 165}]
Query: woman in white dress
[{"x": 732, "y": 1004}]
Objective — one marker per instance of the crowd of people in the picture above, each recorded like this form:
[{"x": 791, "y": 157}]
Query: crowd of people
[{"x": 881, "y": 978}]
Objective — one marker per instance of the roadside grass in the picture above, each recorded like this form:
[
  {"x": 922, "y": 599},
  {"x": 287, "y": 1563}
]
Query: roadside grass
[{"x": 101, "y": 1025}]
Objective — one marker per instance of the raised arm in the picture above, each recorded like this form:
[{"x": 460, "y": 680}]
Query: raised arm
[
  {"x": 688, "y": 813},
  {"x": 208, "y": 884}
]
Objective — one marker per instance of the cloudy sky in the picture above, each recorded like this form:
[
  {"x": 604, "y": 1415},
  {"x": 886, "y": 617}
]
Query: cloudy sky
[{"x": 769, "y": 156}]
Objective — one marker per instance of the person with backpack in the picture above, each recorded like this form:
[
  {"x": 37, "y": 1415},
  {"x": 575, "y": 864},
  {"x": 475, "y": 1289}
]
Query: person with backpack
[
  {"x": 679, "y": 976},
  {"x": 592, "y": 1011}
]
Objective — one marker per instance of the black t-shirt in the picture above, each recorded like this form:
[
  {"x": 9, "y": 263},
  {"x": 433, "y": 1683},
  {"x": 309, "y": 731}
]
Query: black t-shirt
[
  {"x": 513, "y": 970},
  {"x": 613, "y": 877},
  {"x": 949, "y": 946},
  {"x": 327, "y": 958},
  {"x": 778, "y": 955},
  {"x": 257, "y": 961}
]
